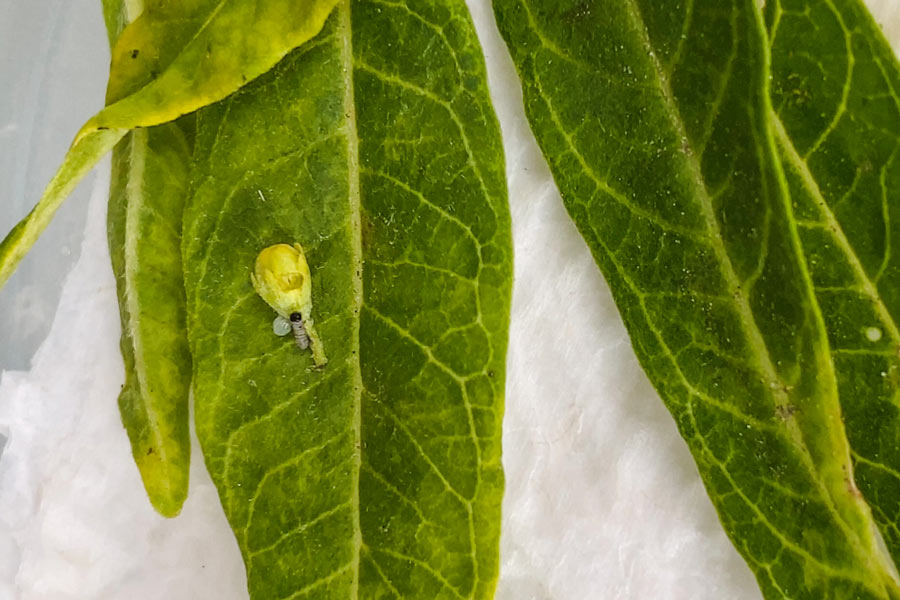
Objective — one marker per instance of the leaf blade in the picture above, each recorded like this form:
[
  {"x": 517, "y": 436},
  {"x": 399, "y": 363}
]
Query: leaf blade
[
  {"x": 79, "y": 161},
  {"x": 201, "y": 72},
  {"x": 149, "y": 186},
  {"x": 837, "y": 135},
  {"x": 686, "y": 213},
  {"x": 394, "y": 446},
  {"x": 147, "y": 191}
]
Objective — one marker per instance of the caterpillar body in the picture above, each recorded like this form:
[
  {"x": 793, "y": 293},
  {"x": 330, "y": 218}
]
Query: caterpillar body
[{"x": 300, "y": 335}]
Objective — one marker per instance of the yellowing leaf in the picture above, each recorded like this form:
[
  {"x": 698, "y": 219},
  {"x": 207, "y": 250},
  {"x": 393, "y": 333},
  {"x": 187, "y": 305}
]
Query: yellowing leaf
[{"x": 220, "y": 46}]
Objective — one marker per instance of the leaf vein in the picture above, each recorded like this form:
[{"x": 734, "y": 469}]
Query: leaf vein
[
  {"x": 422, "y": 565},
  {"x": 278, "y": 468},
  {"x": 319, "y": 582},
  {"x": 603, "y": 186},
  {"x": 845, "y": 91},
  {"x": 415, "y": 442},
  {"x": 422, "y": 198},
  {"x": 300, "y": 528},
  {"x": 397, "y": 81}
]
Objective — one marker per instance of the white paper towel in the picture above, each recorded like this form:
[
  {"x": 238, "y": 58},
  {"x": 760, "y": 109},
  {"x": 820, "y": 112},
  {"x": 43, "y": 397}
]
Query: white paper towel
[{"x": 603, "y": 499}]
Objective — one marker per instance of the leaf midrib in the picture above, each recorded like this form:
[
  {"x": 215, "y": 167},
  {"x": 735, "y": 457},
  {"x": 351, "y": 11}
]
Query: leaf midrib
[
  {"x": 350, "y": 64},
  {"x": 812, "y": 186},
  {"x": 834, "y": 227},
  {"x": 748, "y": 322},
  {"x": 683, "y": 379},
  {"x": 345, "y": 32},
  {"x": 134, "y": 201},
  {"x": 737, "y": 292}
]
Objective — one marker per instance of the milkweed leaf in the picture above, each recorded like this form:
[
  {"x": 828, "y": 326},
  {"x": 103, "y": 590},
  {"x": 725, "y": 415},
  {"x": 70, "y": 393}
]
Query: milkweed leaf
[
  {"x": 147, "y": 191},
  {"x": 656, "y": 121},
  {"x": 376, "y": 149},
  {"x": 149, "y": 186},
  {"x": 836, "y": 114},
  {"x": 217, "y": 47}
]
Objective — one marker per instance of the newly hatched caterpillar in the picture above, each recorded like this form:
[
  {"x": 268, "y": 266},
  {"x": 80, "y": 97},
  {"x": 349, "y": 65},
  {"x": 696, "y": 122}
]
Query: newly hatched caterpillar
[
  {"x": 300, "y": 335},
  {"x": 294, "y": 324},
  {"x": 281, "y": 278}
]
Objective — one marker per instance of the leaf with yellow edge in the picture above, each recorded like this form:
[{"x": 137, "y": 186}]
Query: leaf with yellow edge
[
  {"x": 213, "y": 49},
  {"x": 146, "y": 201}
]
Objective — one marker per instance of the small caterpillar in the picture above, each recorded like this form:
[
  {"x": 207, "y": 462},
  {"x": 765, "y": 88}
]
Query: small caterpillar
[
  {"x": 281, "y": 327},
  {"x": 281, "y": 278},
  {"x": 300, "y": 335}
]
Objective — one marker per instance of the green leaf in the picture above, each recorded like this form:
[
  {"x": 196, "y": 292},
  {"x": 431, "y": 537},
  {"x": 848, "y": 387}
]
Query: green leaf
[
  {"x": 375, "y": 147},
  {"x": 146, "y": 202},
  {"x": 115, "y": 16},
  {"x": 656, "y": 122},
  {"x": 215, "y": 47},
  {"x": 836, "y": 96},
  {"x": 149, "y": 186},
  {"x": 147, "y": 192}
]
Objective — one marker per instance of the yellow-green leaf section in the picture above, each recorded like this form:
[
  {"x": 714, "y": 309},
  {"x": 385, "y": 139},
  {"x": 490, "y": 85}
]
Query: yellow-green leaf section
[
  {"x": 836, "y": 113},
  {"x": 146, "y": 200},
  {"x": 375, "y": 147},
  {"x": 218, "y": 47}
]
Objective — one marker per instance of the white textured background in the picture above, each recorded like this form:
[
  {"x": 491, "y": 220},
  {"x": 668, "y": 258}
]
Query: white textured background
[{"x": 603, "y": 500}]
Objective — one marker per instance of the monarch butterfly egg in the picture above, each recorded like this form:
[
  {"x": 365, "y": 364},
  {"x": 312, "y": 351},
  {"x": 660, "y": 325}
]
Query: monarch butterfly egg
[{"x": 281, "y": 326}]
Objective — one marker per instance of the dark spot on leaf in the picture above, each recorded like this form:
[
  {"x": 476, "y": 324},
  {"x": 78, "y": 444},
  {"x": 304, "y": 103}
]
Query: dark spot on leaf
[{"x": 135, "y": 53}]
